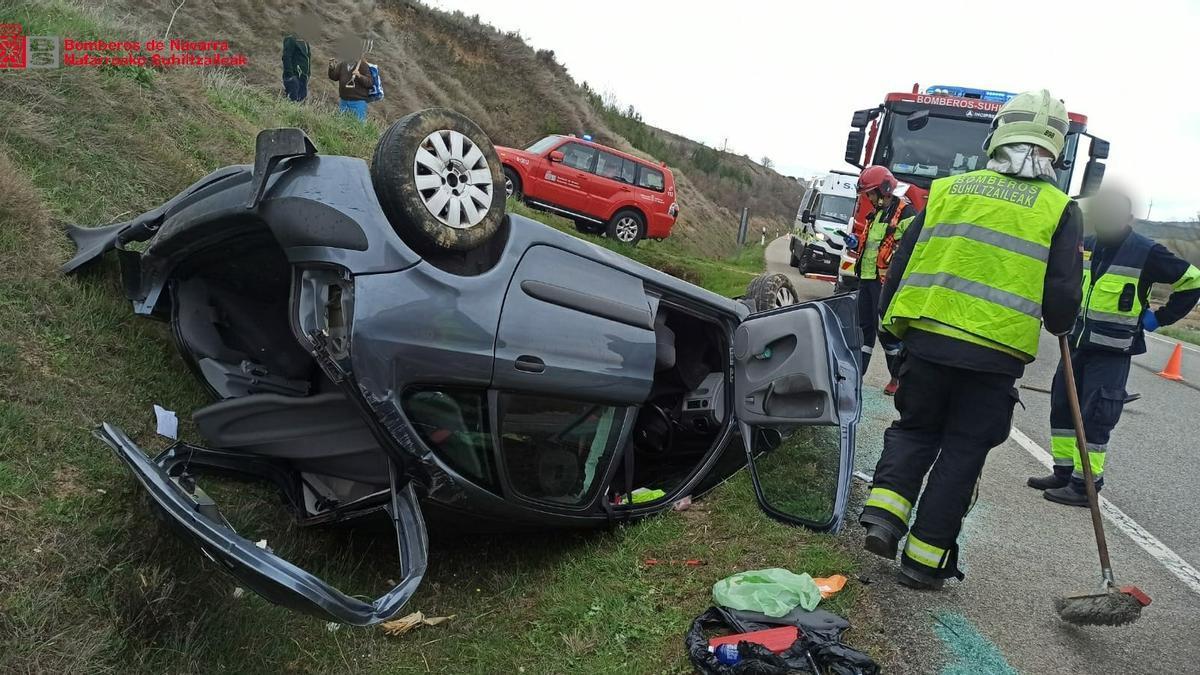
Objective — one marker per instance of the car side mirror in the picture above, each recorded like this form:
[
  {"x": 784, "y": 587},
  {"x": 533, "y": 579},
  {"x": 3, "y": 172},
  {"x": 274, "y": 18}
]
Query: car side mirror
[
  {"x": 806, "y": 216},
  {"x": 556, "y": 156},
  {"x": 1098, "y": 149},
  {"x": 854, "y": 147},
  {"x": 1093, "y": 176},
  {"x": 917, "y": 120}
]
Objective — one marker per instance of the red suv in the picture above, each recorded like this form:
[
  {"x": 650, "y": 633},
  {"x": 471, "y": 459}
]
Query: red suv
[{"x": 601, "y": 189}]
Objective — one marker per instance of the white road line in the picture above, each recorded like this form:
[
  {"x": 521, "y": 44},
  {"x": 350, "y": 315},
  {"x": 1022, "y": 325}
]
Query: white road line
[
  {"x": 1158, "y": 550},
  {"x": 1172, "y": 343}
]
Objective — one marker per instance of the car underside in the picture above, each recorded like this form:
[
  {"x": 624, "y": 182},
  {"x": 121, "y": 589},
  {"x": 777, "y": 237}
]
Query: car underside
[{"x": 385, "y": 340}]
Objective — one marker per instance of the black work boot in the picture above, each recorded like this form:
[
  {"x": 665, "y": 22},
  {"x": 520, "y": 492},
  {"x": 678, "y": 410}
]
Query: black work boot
[
  {"x": 921, "y": 582},
  {"x": 1069, "y": 494},
  {"x": 881, "y": 541},
  {"x": 1054, "y": 480}
]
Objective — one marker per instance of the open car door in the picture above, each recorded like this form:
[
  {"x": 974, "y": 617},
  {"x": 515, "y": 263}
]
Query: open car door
[{"x": 797, "y": 391}]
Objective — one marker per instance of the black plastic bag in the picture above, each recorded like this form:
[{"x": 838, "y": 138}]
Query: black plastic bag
[{"x": 818, "y": 647}]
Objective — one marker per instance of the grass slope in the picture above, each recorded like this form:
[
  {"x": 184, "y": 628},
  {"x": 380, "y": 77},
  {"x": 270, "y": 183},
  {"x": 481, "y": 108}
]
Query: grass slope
[{"x": 90, "y": 581}]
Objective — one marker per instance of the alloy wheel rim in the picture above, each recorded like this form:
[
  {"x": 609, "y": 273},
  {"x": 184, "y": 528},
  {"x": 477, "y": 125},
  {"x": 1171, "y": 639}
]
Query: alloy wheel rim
[
  {"x": 784, "y": 297},
  {"x": 627, "y": 229},
  {"x": 453, "y": 179},
  {"x": 508, "y": 187}
]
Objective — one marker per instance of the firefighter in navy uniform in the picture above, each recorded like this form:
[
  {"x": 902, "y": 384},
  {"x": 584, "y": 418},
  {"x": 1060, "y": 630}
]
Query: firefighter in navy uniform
[
  {"x": 993, "y": 258},
  {"x": 886, "y": 225},
  {"x": 1120, "y": 266}
]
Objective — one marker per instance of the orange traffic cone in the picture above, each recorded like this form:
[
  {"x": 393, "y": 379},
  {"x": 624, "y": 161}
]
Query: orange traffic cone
[{"x": 1174, "y": 364}]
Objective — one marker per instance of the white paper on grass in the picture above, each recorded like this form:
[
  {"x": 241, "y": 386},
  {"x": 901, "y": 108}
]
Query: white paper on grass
[{"x": 168, "y": 423}]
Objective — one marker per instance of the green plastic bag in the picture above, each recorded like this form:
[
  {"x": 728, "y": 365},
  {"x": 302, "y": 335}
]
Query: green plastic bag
[{"x": 774, "y": 592}]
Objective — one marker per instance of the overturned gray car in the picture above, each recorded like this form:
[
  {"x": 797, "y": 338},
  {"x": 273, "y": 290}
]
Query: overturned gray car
[{"x": 385, "y": 340}]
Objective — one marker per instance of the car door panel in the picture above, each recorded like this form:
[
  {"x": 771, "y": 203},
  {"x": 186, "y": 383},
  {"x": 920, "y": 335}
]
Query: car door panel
[
  {"x": 797, "y": 394},
  {"x": 567, "y": 184},
  {"x": 575, "y": 327}
]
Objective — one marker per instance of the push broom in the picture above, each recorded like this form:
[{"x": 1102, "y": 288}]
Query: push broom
[{"x": 1112, "y": 606}]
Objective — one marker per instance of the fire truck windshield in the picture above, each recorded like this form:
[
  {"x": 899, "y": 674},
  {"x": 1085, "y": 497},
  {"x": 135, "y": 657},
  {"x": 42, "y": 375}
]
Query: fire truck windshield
[{"x": 942, "y": 146}]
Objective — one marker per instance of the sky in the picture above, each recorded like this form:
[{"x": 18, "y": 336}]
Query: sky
[{"x": 781, "y": 79}]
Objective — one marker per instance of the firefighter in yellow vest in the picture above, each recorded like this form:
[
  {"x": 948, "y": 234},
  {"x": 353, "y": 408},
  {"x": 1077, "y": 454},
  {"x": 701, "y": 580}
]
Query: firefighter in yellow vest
[
  {"x": 1120, "y": 266},
  {"x": 993, "y": 258}
]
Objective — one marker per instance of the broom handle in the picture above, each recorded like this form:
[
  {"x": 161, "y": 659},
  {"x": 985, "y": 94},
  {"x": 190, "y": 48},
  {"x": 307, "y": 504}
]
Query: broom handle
[{"x": 1081, "y": 441}]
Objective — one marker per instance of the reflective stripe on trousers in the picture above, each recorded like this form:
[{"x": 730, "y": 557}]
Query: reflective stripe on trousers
[
  {"x": 891, "y": 501},
  {"x": 1066, "y": 452},
  {"x": 925, "y": 554},
  {"x": 1062, "y": 447}
]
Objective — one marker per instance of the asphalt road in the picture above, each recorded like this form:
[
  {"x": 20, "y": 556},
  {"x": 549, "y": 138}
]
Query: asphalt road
[{"x": 1020, "y": 551}]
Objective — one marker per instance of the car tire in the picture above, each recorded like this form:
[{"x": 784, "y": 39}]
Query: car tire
[
  {"x": 512, "y": 184},
  {"x": 626, "y": 226},
  {"x": 771, "y": 291},
  {"x": 805, "y": 261},
  {"x": 439, "y": 181}
]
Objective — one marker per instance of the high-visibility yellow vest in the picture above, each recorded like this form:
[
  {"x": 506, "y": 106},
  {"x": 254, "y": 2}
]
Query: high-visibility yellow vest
[
  {"x": 877, "y": 233},
  {"x": 1111, "y": 313},
  {"x": 978, "y": 268}
]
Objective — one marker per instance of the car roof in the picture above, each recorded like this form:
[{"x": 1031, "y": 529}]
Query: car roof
[{"x": 640, "y": 160}]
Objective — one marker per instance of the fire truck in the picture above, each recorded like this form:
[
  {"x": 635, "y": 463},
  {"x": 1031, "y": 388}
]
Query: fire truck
[{"x": 940, "y": 132}]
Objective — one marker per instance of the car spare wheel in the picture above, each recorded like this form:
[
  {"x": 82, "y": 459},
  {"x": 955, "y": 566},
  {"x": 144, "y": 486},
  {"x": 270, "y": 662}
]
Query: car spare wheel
[
  {"x": 769, "y": 291},
  {"x": 439, "y": 181}
]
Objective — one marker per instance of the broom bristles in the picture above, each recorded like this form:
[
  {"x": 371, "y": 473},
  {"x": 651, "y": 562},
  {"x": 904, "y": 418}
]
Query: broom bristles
[{"x": 1102, "y": 609}]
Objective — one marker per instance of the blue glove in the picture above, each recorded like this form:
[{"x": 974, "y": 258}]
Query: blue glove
[
  {"x": 1149, "y": 321},
  {"x": 851, "y": 241}
]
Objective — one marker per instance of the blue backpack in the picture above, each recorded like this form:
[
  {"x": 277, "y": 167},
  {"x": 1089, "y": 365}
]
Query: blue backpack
[{"x": 376, "y": 84}]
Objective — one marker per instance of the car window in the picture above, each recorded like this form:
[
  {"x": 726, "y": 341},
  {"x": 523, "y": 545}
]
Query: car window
[
  {"x": 578, "y": 156},
  {"x": 453, "y": 423},
  {"x": 611, "y": 166},
  {"x": 650, "y": 178},
  {"x": 543, "y": 145},
  {"x": 556, "y": 450}
]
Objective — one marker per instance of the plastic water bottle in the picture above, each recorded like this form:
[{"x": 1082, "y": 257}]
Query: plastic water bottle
[{"x": 727, "y": 654}]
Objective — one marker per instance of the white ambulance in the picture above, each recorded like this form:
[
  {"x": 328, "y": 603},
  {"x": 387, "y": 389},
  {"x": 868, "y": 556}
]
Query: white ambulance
[{"x": 822, "y": 223}]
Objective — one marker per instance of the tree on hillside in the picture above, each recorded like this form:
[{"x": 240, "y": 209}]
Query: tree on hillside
[{"x": 767, "y": 163}]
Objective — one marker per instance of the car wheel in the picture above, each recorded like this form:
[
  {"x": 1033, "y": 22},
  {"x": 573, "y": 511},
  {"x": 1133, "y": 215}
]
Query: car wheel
[
  {"x": 512, "y": 184},
  {"x": 627, "y": 227},
  {"x": 804, "y": 262},
  {"x": 438, "y": 179},
  {"x": 769, "y": 291},
  {"x": 793, "y": 261}
]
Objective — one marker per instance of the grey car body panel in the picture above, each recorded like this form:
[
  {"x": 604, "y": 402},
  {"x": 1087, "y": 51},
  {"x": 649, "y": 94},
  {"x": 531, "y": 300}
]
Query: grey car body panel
[
  {"x": 583, "y": 313},
  {"x": 256, "y": 566}
]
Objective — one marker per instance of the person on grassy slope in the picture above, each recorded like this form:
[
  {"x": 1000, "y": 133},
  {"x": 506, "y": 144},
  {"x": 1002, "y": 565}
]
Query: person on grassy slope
[{"x": 353, "y": 76}]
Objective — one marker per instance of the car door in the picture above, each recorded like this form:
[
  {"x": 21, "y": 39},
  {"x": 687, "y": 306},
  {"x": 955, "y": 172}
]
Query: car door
[
  {"x": 568, "y": 182},
  {"x": 797, "y": 393},
  {"x": 612, "y": 184}
]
